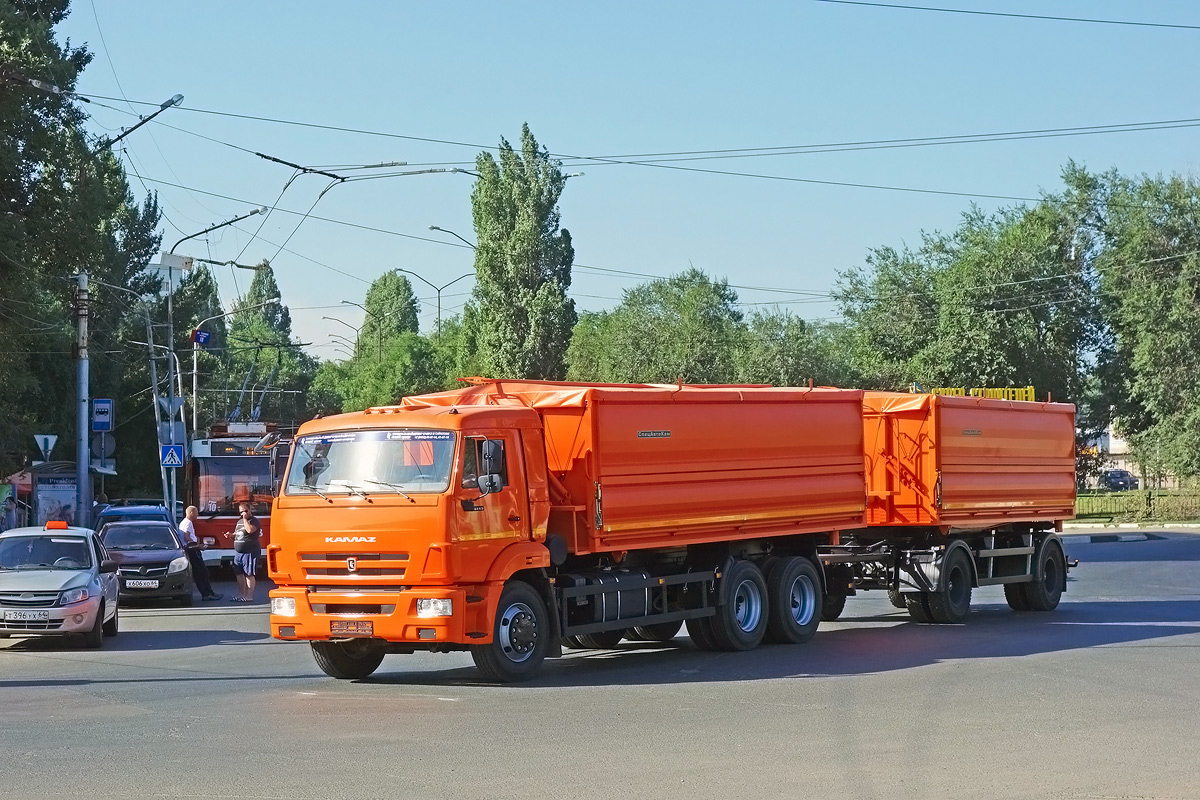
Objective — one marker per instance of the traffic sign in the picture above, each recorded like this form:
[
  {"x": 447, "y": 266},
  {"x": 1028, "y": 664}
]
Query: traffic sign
[
  {"x": 201, "y": 337},
  {"x": 103, "y": 445},
  {"x": 45, "y": 443},
  {"x": 171, "y": 455},
  {"x": 102, "y": 414}
]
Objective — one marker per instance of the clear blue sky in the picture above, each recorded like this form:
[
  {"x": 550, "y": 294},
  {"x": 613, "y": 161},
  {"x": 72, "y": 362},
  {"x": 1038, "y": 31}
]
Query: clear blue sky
[{"x": 620, "y": 78}]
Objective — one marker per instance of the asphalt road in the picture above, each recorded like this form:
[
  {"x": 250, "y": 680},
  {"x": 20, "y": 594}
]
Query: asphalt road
[{"x": 1096, "y": 700}]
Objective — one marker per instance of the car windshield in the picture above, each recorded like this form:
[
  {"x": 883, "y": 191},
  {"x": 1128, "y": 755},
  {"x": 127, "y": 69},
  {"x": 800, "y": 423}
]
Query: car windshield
[
  {"x": 44, "y": 552},
  {"x": 372, "y": 462},
  {"x": 139, "y": 537}
]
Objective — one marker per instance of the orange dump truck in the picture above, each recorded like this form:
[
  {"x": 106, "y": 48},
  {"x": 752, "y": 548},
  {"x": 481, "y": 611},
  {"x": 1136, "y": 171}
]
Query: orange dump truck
[{"x": 513, "y": 519}]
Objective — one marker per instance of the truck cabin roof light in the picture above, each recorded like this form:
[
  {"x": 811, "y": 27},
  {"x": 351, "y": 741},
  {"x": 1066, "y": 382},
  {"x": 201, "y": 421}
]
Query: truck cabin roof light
[
  {"x": 56, "y": 525},
  {"x": 384, "y": 410}
]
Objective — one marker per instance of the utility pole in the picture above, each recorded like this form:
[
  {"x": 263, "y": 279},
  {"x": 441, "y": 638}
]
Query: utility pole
[{"x": 83, "y": 485}]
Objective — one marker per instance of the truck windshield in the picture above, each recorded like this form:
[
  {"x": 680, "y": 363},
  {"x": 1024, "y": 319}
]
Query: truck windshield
[{"x": 372, "y": 462}]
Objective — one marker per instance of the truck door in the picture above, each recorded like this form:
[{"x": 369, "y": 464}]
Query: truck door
[{"x": 499, "y": 516}]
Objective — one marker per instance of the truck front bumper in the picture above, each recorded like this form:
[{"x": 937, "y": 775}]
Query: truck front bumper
[{"x": 388, "y": 615}]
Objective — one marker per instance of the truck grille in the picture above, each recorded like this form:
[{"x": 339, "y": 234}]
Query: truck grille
[
  {"x": 338, "y": 565},
  {"x": 28, "y": 599}
]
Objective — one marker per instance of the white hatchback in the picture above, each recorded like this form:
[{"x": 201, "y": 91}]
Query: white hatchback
[{"x": 55, "y": 581}]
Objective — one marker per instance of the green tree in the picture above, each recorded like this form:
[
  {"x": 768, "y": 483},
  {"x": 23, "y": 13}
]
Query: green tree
[
  {"x": 782, "y": 349},
  {"x": 686, "y": 327},
  {"x": 520, "y": 315},
  {"x": 392, "y": 310}
]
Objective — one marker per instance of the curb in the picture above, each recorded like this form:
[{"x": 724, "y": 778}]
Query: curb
[{"x": 1105, "y": 538}]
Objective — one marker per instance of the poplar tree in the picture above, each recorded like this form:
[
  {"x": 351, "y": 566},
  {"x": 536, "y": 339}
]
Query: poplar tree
[{"x": 520, "y": 317}]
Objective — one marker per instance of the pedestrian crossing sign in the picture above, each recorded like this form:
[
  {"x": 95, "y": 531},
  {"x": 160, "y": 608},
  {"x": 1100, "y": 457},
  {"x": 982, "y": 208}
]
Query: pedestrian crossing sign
[{"x": 171, "y": 455}]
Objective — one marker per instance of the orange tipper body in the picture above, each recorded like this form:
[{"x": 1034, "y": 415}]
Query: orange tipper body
[{"x": 967, "y": 462}]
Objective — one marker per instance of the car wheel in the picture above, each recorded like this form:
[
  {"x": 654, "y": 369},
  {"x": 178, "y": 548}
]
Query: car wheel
[
  {"x": 112, "y": 626},
  {"x": 94, "y": 638}
]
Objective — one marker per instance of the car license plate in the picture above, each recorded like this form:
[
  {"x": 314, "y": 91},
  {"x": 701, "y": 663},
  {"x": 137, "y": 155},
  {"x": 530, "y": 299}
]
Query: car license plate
[
  {"x": 26, "y": 616},
  {"x": 140, "y": 583},
  {"x": 352, "y": 627}
]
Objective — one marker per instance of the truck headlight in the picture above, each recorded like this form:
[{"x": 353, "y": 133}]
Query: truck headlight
[
  {"x": 178, "y": 565},
  {"x": 283, "y": 606},
  {"x": 73, "y": 596},
  {"x": 435, "y": 607}
]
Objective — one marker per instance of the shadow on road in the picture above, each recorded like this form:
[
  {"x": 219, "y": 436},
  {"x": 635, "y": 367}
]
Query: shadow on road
[
  {"x": 144, "y": 641},
  {"x": 1162, "y": 547},
  {"x": 851, "y": 648}
]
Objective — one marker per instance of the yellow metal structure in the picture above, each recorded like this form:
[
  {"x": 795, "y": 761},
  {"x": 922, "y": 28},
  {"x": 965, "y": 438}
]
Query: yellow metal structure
[{"x": 1024, "y": 393}]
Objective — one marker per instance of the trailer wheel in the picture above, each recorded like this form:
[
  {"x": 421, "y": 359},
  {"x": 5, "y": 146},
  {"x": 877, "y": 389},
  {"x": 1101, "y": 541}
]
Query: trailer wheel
[
  {"x": 917, "y": 607},
  {"x": 832, "y": 606},
  {"x": 662, "y": 632},
  {"x": 604, "y": 640},
  {"x": 350, "y": 660},
  {"x": 742, "y": 621},
  {"x": 896, "y": 599},
  {"x": 519, "y": 636},
  {"x": 794, "y": 590},
  {"x": 1014, "y": 593},
  {"x": 700, "y": 632},
  {"x": 953, "y": 602},
  {"x": 1050, "y": 578}
]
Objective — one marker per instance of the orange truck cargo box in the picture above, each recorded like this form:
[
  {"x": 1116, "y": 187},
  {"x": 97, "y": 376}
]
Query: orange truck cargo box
[
  {"x": 967, "y": 462},
  {"x": 647, "y": 466}
]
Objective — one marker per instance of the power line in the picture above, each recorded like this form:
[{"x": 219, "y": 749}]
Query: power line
[{"x": 1017, "y": 16}]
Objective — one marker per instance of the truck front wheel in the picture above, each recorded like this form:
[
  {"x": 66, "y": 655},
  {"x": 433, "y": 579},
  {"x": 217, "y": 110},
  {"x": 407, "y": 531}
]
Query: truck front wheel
[
  {"x": 520, "y": 636},
  {"x": 350, "y": 660}
]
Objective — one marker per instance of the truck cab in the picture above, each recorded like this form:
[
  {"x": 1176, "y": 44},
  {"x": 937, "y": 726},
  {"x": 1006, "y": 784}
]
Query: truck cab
[{"x": 402, "y": 524}]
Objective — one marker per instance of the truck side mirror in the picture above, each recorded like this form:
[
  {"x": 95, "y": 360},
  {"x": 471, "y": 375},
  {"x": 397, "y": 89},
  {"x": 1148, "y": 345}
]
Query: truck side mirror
[
  {"x": 493, "y": 455},
  {"x": 278, "y": 460},
  {"x": 491, "y": 483}
]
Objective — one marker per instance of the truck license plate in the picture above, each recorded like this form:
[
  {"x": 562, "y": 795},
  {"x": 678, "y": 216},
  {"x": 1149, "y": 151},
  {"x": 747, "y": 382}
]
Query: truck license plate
[
  {"x": 352, "y": 627},
  {"x": 26, "y": 616},
  {"x": 140, "y": 583}
]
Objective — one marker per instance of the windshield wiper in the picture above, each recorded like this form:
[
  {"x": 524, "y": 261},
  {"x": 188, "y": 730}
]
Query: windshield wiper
[
  {"x": 391, "y": 486},
  {"x": 315, "y": 491}
]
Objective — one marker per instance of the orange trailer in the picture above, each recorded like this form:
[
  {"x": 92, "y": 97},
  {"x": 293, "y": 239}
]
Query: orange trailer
[{"x": 513, "y": 518}]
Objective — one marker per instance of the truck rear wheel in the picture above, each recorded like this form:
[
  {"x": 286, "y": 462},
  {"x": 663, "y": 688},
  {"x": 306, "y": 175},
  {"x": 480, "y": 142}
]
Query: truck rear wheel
[
  {"x": 520, "y": 636},
  {"x": 741, "y": 622},
  {"x": 700, "y": 631},
  {"x": 832, "y": 606},
  {"x": 953, "y": 602},
  {"x": 794, "y": 591},
  {"x": 917, "y": 606},
  {"x": 1050, "y": 578},
  {"x": 350, "y": 660},
  {"x": 662, "y": 632},
  {"x": 601, "y": 641},
  {"x": 896, "y": 599},
  {"x": 1014, "y": 593}
]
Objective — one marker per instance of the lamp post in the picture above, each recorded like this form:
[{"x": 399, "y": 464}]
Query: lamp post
[
  {"x": 195, "y": 357},
  {"x": 378, "y": 327},
  {"x": 348, "y": 325}
]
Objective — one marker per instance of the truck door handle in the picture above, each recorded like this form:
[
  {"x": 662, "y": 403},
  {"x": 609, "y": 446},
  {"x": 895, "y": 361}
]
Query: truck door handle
[{"x": 514, "y": 519}]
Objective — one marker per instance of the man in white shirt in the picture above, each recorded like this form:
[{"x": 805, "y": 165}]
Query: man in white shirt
[{"x": 191, "y": 546}]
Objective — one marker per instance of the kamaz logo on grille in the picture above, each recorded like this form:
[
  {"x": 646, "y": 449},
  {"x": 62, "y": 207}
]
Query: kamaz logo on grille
[
  {"x": 351, "y": 564},
  {"x": 348, "y": 539}
]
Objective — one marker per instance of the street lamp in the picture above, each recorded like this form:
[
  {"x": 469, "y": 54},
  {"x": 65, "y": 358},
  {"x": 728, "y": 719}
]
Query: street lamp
[
  {"x": 196, "y": 350},
  {"x": 348, "y": 325},
  {"x": 455, "y": 235},
  {"x": 437, "y": 289},
  {"x": 174, "y": 101},
  {"x": 378, "y": 327}
]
